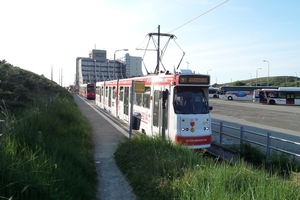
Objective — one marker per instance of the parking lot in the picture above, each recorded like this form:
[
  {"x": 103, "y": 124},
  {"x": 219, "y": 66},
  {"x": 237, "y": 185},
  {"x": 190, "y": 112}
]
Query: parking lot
[{"x": 278, "y": 116}]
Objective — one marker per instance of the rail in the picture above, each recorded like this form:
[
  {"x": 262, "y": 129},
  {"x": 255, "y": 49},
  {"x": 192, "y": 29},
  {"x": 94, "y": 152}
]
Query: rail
[{"x": 268, "y": 138}]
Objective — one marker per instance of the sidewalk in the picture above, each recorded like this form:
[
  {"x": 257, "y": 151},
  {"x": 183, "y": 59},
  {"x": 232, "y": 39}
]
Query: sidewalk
[{"x": 112, "y": 184}]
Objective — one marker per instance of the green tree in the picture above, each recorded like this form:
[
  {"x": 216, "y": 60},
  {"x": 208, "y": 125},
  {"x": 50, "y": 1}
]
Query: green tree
[{"x": 239, "y": 83}]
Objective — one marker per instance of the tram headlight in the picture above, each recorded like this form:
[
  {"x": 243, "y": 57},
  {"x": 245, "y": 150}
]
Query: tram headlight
[
  {"x": 206, "y": 128},
  {"x": 185, "y": 129}
]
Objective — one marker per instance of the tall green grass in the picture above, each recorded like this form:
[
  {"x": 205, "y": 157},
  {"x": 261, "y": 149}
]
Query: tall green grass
[
  {"x": 47, "y": 153},
  {"x": 157, "y": 169}
]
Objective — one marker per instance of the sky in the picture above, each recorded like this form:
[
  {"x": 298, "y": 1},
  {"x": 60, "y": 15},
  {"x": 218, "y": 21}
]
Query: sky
[{"x": 227, "y": 39}]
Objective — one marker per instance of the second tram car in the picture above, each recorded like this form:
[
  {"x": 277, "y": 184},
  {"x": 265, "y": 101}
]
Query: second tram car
[
  {"x": 174, "y": 103},
  {"x": 87, "y": 90}
]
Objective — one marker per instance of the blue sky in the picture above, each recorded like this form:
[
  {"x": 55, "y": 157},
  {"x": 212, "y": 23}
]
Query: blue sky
[{"x": 229, "y": 42}]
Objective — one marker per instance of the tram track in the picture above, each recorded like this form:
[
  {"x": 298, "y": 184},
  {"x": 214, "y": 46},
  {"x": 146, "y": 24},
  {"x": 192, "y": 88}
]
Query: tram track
[{"x": 223, "y": 153}]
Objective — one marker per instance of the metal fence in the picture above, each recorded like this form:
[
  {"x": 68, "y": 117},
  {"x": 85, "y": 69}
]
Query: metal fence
[{"x": 241, "y": 138}]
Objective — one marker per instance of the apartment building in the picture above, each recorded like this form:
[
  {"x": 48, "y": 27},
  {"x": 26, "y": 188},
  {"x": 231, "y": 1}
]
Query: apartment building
[{"x": 97, "y": 67}]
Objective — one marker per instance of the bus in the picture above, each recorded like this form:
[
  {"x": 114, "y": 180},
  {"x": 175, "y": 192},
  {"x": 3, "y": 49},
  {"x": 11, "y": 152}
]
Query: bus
[
  {"x": 282, "y": 95},
  {"x": 213, "y": 92},
  {"x": 174, "y": 103},
  {"x": 240, "y": 92},
  {"x": 87, "y": 90}
]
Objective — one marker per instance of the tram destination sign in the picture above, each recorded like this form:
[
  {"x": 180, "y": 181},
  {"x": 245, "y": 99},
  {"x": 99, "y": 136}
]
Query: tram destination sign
[
  {"x": 139, "y": 87},
  {"x": 194, "y": 79}
]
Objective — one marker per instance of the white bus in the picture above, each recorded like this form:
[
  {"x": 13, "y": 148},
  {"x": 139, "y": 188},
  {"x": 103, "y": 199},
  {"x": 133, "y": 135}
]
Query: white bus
[
  {"x": 213, "y": 92},
  {"x": 240, "y": 92},
  {"x": 282, "y": 95}
]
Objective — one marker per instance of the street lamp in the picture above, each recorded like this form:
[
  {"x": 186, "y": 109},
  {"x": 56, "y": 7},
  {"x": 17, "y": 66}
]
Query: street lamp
[
  {"x": 187, "y": 64},
  {"x": 268, "y": 71},
  {"x": 115, "y": 59},
  {"x": 257, "y": 74},
  {"x": 208, "y": 71},
  {"x": 296, "y": 79},
  {"x": 216, "y": 80}
]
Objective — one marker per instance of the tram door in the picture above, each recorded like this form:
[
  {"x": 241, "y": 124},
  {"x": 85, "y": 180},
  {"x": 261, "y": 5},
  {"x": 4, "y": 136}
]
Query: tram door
[
  {"x": 156, "y": 108},
  {"x": 290, "y": 98},
  {"x": 157, "y": 111},
  {"x": 109, "y": 97},
  {"x": 126, "y": 101}
]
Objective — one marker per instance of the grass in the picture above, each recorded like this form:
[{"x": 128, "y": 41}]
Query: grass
[
  {"x": 47, "y": 154},
  {"x": 281, "y": 163},
  {"x": 157, "y": 169}
]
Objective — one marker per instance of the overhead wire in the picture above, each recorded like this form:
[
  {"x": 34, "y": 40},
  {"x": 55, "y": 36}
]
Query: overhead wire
[
  {"x": 177, "y": 29},
  {"x": 190, "y": 20},
  {"x": 199, "y": 16}
]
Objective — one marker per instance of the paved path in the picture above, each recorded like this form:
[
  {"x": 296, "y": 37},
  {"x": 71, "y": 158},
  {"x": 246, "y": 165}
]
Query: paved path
[{"x": 111, "y": 183}]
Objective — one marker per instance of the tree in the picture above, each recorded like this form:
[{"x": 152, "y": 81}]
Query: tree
[{"x": 238, "y": 83}]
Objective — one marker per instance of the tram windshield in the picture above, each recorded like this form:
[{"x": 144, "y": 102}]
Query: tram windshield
[{"x": 190, "y": 100}]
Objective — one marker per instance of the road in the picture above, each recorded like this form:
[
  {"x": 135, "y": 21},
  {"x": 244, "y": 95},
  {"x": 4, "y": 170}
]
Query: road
[{"x": 278, "y": 116}]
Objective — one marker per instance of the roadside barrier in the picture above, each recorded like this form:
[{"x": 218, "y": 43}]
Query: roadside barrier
[{"x": 268, "y": 138}]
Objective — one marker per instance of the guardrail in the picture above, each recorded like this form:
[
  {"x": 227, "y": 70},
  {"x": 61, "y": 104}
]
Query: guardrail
[{"x": 268, "y": 138}]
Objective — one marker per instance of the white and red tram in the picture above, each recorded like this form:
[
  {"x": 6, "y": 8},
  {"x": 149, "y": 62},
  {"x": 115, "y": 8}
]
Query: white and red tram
[{"x": 187, "y": 110}]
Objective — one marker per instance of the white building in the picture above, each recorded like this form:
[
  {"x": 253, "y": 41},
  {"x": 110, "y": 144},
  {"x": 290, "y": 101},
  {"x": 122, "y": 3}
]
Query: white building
[
  {"x": 97, "y": 67},
  {"x": 133, "y": 65}
]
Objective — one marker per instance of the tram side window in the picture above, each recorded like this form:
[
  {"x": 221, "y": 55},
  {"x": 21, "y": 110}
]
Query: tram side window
[
  {"x": 114, "y": 92},
  {"x": 101, "y": 94},
  {"x": 97, "y": 90},
  {"x": 121, "y": 94},
  {"x": 138, "y": 99},
  {"x": 146, "y": 97},
  {"x": 106, "y": 92},
  {"x": 297, "y": 95}
]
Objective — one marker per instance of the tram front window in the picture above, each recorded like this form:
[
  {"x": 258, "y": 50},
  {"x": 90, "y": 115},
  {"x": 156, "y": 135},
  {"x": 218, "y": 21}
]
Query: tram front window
[{"x": 190, "y": 100}]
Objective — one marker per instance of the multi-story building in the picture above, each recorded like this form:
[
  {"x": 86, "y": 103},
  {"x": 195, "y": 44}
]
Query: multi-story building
[
  {"x": 97, "y": 67},
  {"x": 133, "y": 65}
]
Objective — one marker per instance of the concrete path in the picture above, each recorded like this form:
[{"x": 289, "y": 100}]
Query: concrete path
[{"x": 112, "y": 184}]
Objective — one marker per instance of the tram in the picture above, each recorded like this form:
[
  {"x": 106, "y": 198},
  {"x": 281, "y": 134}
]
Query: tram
[
  {"x": 176, "y": 105},
  {"x": 87, "y": 90}
]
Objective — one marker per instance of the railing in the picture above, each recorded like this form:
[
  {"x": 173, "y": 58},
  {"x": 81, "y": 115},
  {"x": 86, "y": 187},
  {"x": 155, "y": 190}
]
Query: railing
[{"x": 240, "y": 139}]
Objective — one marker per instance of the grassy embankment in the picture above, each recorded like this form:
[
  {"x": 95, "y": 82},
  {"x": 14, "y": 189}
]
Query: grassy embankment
[
  {"x": 46, "y": 149},
  {"x": 157, "y": 169}
]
